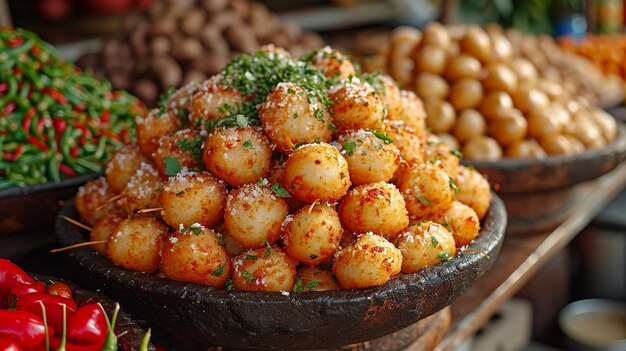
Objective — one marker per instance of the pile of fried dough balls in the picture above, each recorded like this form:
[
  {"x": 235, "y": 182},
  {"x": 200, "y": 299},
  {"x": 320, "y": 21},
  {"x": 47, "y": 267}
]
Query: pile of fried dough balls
[
  {"x": 283, "y": 174},
  {"x": 483, "y": 96}
]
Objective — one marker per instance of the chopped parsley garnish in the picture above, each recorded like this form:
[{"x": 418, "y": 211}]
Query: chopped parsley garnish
[
  {"x": 219, "y": 271},
  {"x": 229, "y": 284},
  {"x": 220, "y": 239},
  {"x": 247, "y": 144},
  {"x": 456, "y": 153},
  {"x": 192, "y": 147},
  {"x": 434, "y": 241},
  {"x": 247, "y": 275},
  {"x": 332, "y": 127},
  {"x": 313, "y": 256},
  {"x": 349, "y": 146},
  {"x": 453, "y": 185},
  {"x": 382, "y": 136},
  {"x": 180, "y": 193},
  {"x": 193, "y": 229},
  {"x": 434, "y": 160},
  {"x": 297, "y": 288},
  {"x": 183, "y": 115},
  {"x": 444, "y": 255},
  {"x": 268, "y": 249},
  {"x": 262, "y": 182},
  {"x": 434, "y": 143},
  {"x": 172, "y": 166},
  {"x": 319, "y": 114},
  {"x": 447, "y": 224},
  {"x": 424, "y": 201},
  {"x": 313, "y": 283},
  {"x": 280, "y": 190},
  {"x": 250, "y": 257},
  {"x": 162, "y": 105}
]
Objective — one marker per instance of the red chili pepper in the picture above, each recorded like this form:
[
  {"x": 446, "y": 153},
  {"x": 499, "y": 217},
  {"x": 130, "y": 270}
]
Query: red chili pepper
[
  {"x": 74, "y": 151},
  {"x": 9, "y": 345},
  {"x": 105, "y": 116},
  {"x": 15, "y": 42},
  {"x": 3, "y": 87},
  {"x": 109, "y": 134},
  {"x": 28, "y": 119},
  {"x": 53, "y": 304},
  {"x": 88, "y": 326},
  {"x": 41, "y": 123},
  {"x": 55, "y": 94},
  {"x": 38, "y": 143},
  {"x": 15, "y": 155},
  {"x": 11, "y": 275},
  {"x": 116, "y": 94},
  {"x": 18, "y": 72},
  {"x": 24, "y": 328},
  {"x": 35, "y": 50},
  {"x": 67, "y": 170},
  {"x": 125, "y": 136},
  {"x": 8, "y": 109},
  {"x": 22, "y": 289},
  {"x": 59, "y": 125},
  {"x": 59, "y": 289}
]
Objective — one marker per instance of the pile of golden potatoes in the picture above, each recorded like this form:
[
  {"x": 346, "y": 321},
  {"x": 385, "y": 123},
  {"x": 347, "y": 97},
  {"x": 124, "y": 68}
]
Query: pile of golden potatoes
[
  {"x": 283, "y": 174},
  {"x": 483, "y": 97}
]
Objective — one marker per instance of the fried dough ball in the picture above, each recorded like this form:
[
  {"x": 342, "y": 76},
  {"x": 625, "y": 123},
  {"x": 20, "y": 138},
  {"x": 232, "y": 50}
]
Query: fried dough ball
[
  {"x": 355, "y": 106},
  {"x": 316, "y": 172},
  {"x": 463, "y": 66},
  {"x": 192, "y": 197},
  {"x": 425, "y": 244},
  {"x": 104, "y": 227},
  {"x": 213, "y": 100},
  {"x": 151, "y": 127},
  {"x": 332, "y": 62},
  {"x": 466, "y": 93},
  {"x": 290, "y": 118},
  {"x": 528, "y": 149},
  {"x": 254, "y": 215},
  {"x": 463, "y": 223},
  {"x": 370, "y": 261},
  {"x": 91, "y": 196},
  {"x": 265, "y": 269},
  {"x": 431, "y": 86},
  {"x": 184, "y": 145},
  {"x": 438, "y": 152},
  {"x": 390, "y": 95},
  {"x": 477, "y": 43},
  {"x": 405, "y": 139},
  {"x": 427, "y": 190},
  {"x": 237, "y": 155},
  {"x": 142, "y": 190},
  {"x": 440, "y": 115},
  {"x": 369, "y": 158},
  {"x": 275, "y": 175},
  {"x": 412, "y": 112},
  {"x": 377, "y": 207},
  {"x": 122, "y": 165},
  {"x": 474, "y": 190},
  {"x": 469, "y": 124},
  {"x": 312, "y": 234},
  {"x": 194, "y": 254},
  {"x": 137, "y": 243},
  {"x": 449, "y": 140},
  {"x": 482, "y": 148},
  {"x": 317, "y": 279}
]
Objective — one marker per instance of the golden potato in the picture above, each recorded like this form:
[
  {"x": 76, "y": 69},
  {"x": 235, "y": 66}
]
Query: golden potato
[
  {"x": 254, "y": 214},
  {"x": 438, "y": 152},
  {"x": 469, "y": 124},
  {"x": 477, "y": 43},
  {"x": 194, "y": 254},
  {"x": 482, "y": 148},
  {"x": 463, "y": 222},
  {"x": 431, "y": 59},
  {"x": 237, "y": 155},
  {"x": 500, "y": 77},
  {"x": 104, "y": 227},
  {"x": 431, "y": 87},
  {"x": 377, "y": 207},
  {"x": 192, "y": 197},
  {"x": 184, "y": 145},
  {"x": 463, "y": 66},
  {"x": 494, "y": 103},
  {"x": 524, "y": 149},
  {"x": 213, "y": 100},
  {"x": 412, "y": 112},
  {"x": 316, "y": 172},
  {"x": 436, "y": 34},
  {"x": 466, "y": 93},
  {"x": 526, "y": 71},
  {"x": 142, "y": 190},
  {"x": 123, "y": 163},
  {"x": 501, "y": 48},
  {"x": 474, "y": 190},
  {"x": 265, "y": 269},
  {"x": 290, "y": 118},
  {"x": 449, "y": 140},
  {"x": 312, "y": 234},
  {"x": 317, "y": 279},
  {"x": 137, "y": 243},
  {"x": 527, "y": 99},
  {"x": 370, "y": 261},
  {"x": 151, "y": 127},
  {"x": 542, "y": 122},
  {"x": 355, "y": 106},
  {"x": 370, "y": 159},
  {"x": 425, "y": 244},
  {"x": 332, "y": 62},
  {"x": 440, "y": 115},
  {"x": 606, "y": 123},
  {"x": 557, "y": 144},
  {"x": 427, "y": 190},
  {"x": 405, "y": 139},
  {"x": 509, "y": 127},
  {"x": 91, "y": 196}
]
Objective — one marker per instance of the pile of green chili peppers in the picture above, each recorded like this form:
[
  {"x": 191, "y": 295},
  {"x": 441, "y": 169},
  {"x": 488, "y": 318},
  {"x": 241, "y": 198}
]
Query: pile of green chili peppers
[{"x": 55, "y": 121}]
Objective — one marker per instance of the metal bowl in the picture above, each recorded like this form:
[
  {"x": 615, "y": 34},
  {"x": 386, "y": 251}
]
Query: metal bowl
[
  {"x": 595, "y": 325},
  {"x": 205, "y": 316}
]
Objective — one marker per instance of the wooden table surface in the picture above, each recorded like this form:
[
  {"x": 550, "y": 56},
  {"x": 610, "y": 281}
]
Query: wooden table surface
[{"x": 521, "y": 257}]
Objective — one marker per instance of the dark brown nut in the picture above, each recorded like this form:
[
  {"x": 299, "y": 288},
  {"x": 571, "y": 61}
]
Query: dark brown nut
[
  {"x": 213, "y": 6},
  {"x": 241, "y": 38},
  {"x": 138, "y": 39},
  {"x": 145, "y": 89},
  {"x": 261, "y": 20},
  {"x": 160, "y": 45},
  {"x": 241, "y": 7},
  {"x": 225, "y": 19},
  {"x": 187, "y": 49},
  {"x": 166, "y": 26},
  {"x": 192, "y": 22},
  {"x": 167, "y": 71}
]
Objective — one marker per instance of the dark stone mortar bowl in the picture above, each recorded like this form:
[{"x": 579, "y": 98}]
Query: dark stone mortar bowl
[{"x": 204, "y": 316}]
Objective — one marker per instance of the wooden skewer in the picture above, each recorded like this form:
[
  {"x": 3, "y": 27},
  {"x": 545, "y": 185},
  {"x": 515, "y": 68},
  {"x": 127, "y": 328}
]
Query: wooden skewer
[
  {"x": 88, "y": 243},
  {"x": 312, "y": 205},
  {"x": 77, "y": 223},
  {"x": 147, "y": 210},
  {"x": 108, "y": 201}
]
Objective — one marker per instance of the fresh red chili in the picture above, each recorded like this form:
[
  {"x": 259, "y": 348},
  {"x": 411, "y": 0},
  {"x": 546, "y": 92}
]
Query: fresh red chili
[
  {"x": 88, "y": 326},
  {"x": 22, "y": 289},
  {"x": 74, "y": 151},
  {"x": 53, "y": 304},
  {"x": 105, "y": 117},
  {"x": 59, "y": 289},
  {"x": 67, "y": 170},
  {"x": 8, "y": 109},
  {"x": 125, "y": 136},
  {"x": 28, "y": 119},
  {"x": 35, "y": 50},
  {"x": 24, "y": 328},
  {"x": 41, "y": 123},
  {"x": 38, "y": 143},
  {"x": 15, "y": 42},
  {"x": 3, "y": 87},
  {"x": 15, "y": 155},
  {"x": 55, "y": 94},
  {"x": 11, "y": 275},
  {"x": 9, "y": 345}
]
